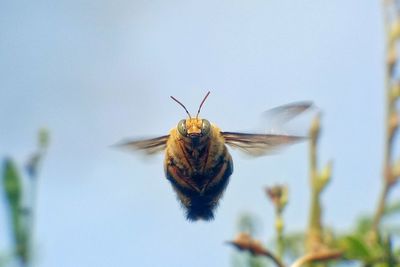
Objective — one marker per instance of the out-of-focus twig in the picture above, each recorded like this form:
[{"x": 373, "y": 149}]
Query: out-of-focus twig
[
  {"x": 318, "y": 182},
  {"x": 33, "y": 168},
  {"x": 317, "y": 257},
  {"x": 244, "y": 241},
  {"x": 279, "y": 197},
  {"x": 21, "y": 200},
  {"x": 391, "y": 170},
  {"x": 12, "y": 184}
]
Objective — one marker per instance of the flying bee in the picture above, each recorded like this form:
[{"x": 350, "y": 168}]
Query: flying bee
[{"x": 197, "y": 161}]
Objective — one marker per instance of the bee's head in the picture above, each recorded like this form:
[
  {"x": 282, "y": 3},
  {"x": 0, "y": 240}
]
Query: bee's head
[{"x": 193, "y": 127}]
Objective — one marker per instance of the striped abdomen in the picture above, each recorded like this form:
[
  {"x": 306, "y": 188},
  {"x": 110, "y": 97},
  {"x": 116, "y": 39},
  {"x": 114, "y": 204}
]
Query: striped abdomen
[{"x": 199, "y": 171}]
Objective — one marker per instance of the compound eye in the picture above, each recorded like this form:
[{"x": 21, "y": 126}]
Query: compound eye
[
  {"x": 205, "y": 127},
  {"x": 182, "y": 127}
]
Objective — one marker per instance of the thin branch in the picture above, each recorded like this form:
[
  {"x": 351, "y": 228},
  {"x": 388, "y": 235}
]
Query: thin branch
[
  {"x": 392, "y": 30},
  {"x": 317, "y": 257},
  {"x": 243, "y": 241},
  {"x": 318, "y": 182}
]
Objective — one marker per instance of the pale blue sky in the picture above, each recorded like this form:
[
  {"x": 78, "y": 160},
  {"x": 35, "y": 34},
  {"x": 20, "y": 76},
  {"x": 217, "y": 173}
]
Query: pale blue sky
[{"x": 94, "y": 72}]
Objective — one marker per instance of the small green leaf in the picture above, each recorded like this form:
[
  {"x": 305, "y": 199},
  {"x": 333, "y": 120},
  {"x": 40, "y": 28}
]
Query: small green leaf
[
  {"x": 388, "y": 253},
  {"x": 13, "y": 190},
  {"x": 355, "y": 248},
  {"x": 12, "y": 183},
  {"x": 364, "y": 225}
]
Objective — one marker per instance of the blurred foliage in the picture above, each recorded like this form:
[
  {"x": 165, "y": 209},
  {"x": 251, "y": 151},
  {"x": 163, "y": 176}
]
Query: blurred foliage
[
  {"x": 369, "y": 243},
  {"x": 12, "y": 184},
  {"x": 20, "y": 194},
  {"x": 278, "y": 195},
  {"x": 371, "y": 240},
  {"x": 359, "y": 245},
  {"x": 320, "y": 244}
]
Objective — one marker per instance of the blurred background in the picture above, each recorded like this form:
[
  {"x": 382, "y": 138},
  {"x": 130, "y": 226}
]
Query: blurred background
[{"x": 96, "y": 72}]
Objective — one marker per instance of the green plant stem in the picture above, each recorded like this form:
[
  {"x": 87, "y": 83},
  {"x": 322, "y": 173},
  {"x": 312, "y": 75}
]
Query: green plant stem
[
  {"x": 31, "y": 220},
  {"x": 314, "y": 237},
  {"x": 30, "y": 216},
  {"x": 380, "y": 208},
  {"x": 315, "y": 214},
  {"x": 279, "y": 232},
  {"x": 390, "y": 132}
]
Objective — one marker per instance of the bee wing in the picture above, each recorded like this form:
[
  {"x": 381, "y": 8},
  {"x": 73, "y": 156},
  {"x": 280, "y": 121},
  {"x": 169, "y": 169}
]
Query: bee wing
[
  {"x": 149, "y": 146},
  {"x": 282, "y": 114},
  {"x": 259, "y": 144}
]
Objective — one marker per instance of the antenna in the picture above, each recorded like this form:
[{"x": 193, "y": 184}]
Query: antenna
[
  {"x": 201, "y": 104},
  {"x": 190, "y": 117}
]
